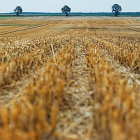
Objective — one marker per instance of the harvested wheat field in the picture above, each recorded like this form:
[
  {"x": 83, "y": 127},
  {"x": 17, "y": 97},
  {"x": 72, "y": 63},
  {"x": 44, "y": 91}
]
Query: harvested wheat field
[{"x": 74, "y": 78}]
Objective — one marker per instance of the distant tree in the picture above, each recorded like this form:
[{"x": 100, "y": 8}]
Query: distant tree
[
  {"x": 66, "y": 10},
  {"x": 116, "y": 9},
  {"x": 18, "y": 10}
]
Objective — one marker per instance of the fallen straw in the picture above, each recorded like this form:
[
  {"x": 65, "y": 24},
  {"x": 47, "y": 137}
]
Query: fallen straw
[{"x": 53, "y": 52}]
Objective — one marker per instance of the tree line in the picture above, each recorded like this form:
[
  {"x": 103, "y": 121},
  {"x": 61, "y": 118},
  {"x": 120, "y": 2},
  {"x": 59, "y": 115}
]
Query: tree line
[{"x": 116, "y": 9}]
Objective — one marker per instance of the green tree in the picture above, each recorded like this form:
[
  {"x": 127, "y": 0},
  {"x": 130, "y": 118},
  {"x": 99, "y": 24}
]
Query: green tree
[
  {"x": 66, "y": 10},
  {"x": 18, "y": 10},
  {"x": 116, "y": 9}
]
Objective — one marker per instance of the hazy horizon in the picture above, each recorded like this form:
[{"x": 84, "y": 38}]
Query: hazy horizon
[{"x": 53, "y": 6}]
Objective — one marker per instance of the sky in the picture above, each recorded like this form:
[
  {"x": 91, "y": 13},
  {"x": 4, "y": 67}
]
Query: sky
[{"x": 7, "y": 6}]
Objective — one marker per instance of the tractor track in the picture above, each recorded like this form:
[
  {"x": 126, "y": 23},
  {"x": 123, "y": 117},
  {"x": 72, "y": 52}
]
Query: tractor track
[
  {"x": 25, "y": 29},
  {"x": 130, "y": 28}
]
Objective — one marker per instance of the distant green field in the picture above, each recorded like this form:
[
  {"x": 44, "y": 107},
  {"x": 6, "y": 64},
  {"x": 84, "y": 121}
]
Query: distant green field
[{"x": 6, "y": 18}]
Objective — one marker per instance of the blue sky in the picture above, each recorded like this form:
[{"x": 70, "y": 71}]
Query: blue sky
[{"x": 75, "y": 5}]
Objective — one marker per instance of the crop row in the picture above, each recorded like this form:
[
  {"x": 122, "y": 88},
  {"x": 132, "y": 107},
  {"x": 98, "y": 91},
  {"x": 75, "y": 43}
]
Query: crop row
[
  {"x": 18, "y": 59},
  {"x": 123, "y": 51},
  {"x": 116, "y": 112},
  {"x": 33, "y": 115}
]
